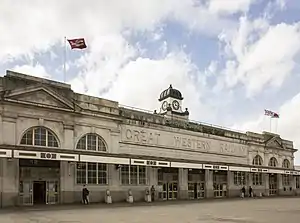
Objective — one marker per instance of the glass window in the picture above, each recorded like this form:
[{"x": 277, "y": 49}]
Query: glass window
[
  {"x": 298, "y": 182},
  {"x": 91, "y": 173},
  {"x": 285, "y": 180},
  {"x": 257, "y": 161},
  {"x": 239, "y": 178},
  {"x": 39, "y": 136},
  {"x": 91, "y": 142},
  {"x": 257, "y": 179},
  {"x": 286, "y": 164},
  {"x": 273, "y": 162},
  {"x": 133, "y": 175}
]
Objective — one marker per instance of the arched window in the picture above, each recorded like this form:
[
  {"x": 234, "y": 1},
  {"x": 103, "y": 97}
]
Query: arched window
[
  {"x": 39, "y": 136},
  {"x": 257, "y": 161},
  {"x": 286, "y": 163},
  {"x": 273, "y": 162},
  {"x": 91, "y": 142}
]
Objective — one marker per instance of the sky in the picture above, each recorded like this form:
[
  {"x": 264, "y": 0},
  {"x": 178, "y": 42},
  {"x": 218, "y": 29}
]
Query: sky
[{"x": 231, "y": 59}]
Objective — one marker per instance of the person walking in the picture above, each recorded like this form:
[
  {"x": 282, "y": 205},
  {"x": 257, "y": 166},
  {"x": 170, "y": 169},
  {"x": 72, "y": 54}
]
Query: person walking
[
  {"x": 250, "y": 191},
  {"x": 243, "y": 192},
  {"x": 85, "y": 194}
]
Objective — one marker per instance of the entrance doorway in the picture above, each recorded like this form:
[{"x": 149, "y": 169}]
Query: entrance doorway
[
  {"x": 196, "y": 184},
  {"x": 168, "y": 182},
  {"x": 39, "y": 192},
  {"x": 220, "y": 183},
  {"x": 39, "y": 181},
  {"x": 169, "y": 191},
  {"x": 272, "y": 184}
]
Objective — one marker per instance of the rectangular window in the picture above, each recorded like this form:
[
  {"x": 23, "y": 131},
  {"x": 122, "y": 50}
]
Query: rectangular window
[
  {"x": 298, "y": 182},
  {"x": 239, "y": 178},
  {"x": 285, "y": 180},
  {"x": 257, "y": 179},
  {"x": 91, "y": 173},
  {"x": 133, "y": 175}
]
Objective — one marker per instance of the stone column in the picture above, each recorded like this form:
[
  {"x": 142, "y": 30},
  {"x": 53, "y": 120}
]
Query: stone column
[
  {"x": 209, "y": 189},
  {"x": 230, "y": 185},
  {"x": 293, "y": 184},
  {"x": 267, "y": 182},
  {"x": 10, "y": 184},
  {"x": 183, "y": 183},
  {"x": 279, "y": 183},
  {"x": 67, "y": 183}
]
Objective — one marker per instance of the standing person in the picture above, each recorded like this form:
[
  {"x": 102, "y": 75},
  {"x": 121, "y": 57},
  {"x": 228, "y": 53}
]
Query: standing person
[
  {"x": 250, "y": 192},
  {"x": 243, "y": 192},
  {"x": 85, "y": 194},
  {"x": 152, "y": 193}
]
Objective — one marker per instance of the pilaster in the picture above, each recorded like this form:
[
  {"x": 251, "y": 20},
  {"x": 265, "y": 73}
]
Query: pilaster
[{"x": 209, "y": 189}]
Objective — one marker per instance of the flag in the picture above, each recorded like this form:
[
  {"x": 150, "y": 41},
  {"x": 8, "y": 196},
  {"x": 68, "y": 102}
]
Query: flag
[
  {"x": 77, "y": 43},
  {"x": 272, "y": 114}
]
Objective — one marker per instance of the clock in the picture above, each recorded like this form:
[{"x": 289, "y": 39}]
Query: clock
[
  {"x": 164, "y": 106},
  {"x": 175, "y": 105}
]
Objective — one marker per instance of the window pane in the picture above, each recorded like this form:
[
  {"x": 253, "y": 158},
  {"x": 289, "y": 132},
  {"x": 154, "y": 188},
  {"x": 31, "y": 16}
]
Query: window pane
[
  {"x": 142, "y": 175},
  {"x": 81, "y": 143},
  {"x": 102, "y": 173},
  {"x": 27, "y": 138},
  {"x": 40, "y": 136},
  {"x": 81, "y": 173},
  {"x": 52, "y": 142},
  {"x": 125, "y": 175},
  {"x": 101, "y": 145},
  {"x": 133, "y": 175},
  {"x": 92, "y": 173},
  {"x": 91, "y": 142}
]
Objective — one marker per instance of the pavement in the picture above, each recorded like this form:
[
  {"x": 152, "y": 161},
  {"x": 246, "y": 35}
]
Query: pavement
[{"x": 273, "y": 210}]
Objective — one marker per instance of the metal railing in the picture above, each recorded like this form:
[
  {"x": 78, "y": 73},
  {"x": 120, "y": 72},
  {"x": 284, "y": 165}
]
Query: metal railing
[{"x": 192, "y": 121}]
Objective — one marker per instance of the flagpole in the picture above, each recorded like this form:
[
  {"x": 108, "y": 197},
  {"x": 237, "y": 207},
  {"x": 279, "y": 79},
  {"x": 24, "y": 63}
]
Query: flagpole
[
  {"x": 65, "y": 58},
  {"x": 270, "y": 124}
]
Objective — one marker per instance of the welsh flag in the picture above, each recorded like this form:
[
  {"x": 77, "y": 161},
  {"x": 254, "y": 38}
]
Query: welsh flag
[
  {"x": 77, "y": 43},
  {"x": 271, "y": 114}
]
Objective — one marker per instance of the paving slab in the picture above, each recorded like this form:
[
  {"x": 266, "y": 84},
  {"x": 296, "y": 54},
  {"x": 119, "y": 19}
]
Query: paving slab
[{"x": 277, "y": 210}]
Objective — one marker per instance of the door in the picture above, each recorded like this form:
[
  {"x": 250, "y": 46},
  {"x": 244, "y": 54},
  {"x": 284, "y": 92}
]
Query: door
[
  {"x": 26, "y": 193},
  {"x": 196, "y": 190},
  {"x": 220, "y": 184},
  {"x": 169, "y": 191},
  {"x": 51, "y": 192},
  {"x": 272, "y": 184}
]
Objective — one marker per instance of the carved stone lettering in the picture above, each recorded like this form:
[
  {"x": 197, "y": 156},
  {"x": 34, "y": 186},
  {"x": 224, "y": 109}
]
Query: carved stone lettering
[
  {"x": 228, "y": 148},
  {"x": 143, "y": 136},
  {"x": 192, "y": 144}
]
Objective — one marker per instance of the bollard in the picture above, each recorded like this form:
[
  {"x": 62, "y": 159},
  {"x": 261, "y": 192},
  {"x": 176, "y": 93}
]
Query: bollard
[
  {"x": 147, "y": 195},
  {"x": 108, "y": 199},
  {"x": 129, "y": 196}
]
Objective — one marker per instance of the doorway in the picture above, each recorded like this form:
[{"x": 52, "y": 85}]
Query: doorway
[
  {"x": 39, "y": 192},
  {"x": 220, "y": 184},
  {"x": 169, "y": 191},
  {"x": 272, "y": 184}
]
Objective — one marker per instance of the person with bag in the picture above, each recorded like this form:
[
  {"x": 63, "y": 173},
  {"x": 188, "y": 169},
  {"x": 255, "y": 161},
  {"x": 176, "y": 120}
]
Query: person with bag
[{"x": 85, "y": 194}]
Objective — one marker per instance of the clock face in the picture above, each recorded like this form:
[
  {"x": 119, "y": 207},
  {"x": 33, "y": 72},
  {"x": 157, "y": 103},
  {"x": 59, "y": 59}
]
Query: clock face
[
  {"x": 175, "y": 105},
  {"x": 164, "y": 106}
]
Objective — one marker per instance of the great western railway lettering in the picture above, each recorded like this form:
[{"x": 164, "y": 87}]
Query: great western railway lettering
[
  {"x": 145, "y": 137},
  {"x": 189, "y": 143},
  {"x": 194, "y": 144}
]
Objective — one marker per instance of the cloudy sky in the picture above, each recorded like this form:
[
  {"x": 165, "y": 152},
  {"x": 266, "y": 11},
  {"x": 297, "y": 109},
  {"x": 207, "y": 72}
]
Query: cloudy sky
[{"x": 231, "y": 59}]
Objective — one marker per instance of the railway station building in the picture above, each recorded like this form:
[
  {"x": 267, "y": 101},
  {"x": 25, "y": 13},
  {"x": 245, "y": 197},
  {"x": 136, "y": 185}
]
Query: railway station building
[{"x": 53, "y": 141}]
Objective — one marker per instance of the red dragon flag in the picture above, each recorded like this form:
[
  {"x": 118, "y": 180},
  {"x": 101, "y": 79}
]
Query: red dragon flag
[
  {"x": 271, "y": 114},
  {"x": 77, "y": 43}
]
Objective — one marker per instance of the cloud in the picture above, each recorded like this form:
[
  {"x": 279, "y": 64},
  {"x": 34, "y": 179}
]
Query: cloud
[
  {"x": 260, "y": 55},
  {"x": 288, "y": 125},
  {"x": 34, "y": 70},
  {"x": 229, "y": 6},
  {"x": 46, "y": 26}
]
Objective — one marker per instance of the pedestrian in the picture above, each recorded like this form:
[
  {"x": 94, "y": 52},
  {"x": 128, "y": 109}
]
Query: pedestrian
[
  {"x": 250, "y": 192},
  {"x": 243, "y": 192},
  {"x": 85, "y": 194},
  {"x": 152, "y": 193}
]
